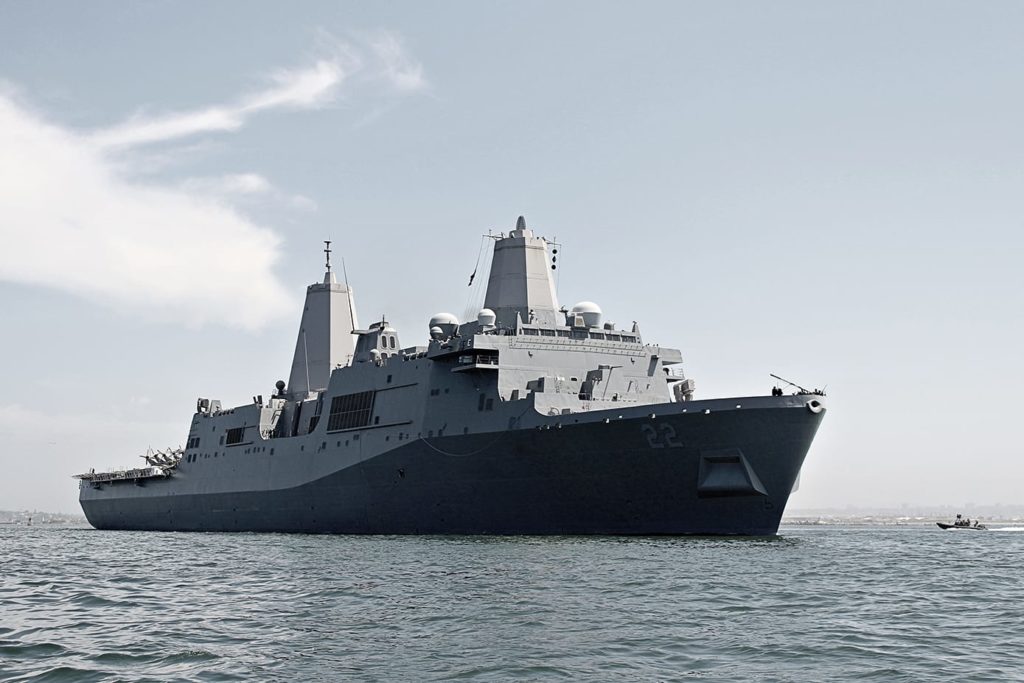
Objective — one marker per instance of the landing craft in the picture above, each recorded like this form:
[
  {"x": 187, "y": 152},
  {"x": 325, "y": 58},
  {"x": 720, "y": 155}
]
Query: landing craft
[{"x": 531, "y": 418}]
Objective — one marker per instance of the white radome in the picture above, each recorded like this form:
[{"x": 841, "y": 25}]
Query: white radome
[
  {"x": 448, "y": 323},
  {"x": 486, "y": 317},
  {"x": 443, "y": 319},
  {"x": 590, "y": 312}
]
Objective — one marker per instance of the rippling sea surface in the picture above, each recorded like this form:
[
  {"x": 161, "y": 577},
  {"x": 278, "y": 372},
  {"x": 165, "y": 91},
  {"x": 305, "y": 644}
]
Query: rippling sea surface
[{"x": 816, "y": 603}]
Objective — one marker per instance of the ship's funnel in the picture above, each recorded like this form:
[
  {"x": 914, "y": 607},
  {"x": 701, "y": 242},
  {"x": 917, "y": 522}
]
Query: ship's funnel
[
  {"x": 520, "y": 280},
  {"x": 325, "y": 336}
]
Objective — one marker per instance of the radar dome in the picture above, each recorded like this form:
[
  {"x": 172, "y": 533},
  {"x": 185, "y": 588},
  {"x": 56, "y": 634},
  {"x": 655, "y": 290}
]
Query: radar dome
[
  {"x": 486, "y": 317},
  {"x": 436, "y": 332},
  {"x": 448, "y": 323},
  {"x": 590, "y": 312}
]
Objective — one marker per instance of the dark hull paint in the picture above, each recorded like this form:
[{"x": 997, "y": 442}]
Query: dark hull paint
[{"x": 579, "y": 479}]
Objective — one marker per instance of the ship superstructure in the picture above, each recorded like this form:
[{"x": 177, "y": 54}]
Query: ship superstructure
[{"x": 532, "y": 418}]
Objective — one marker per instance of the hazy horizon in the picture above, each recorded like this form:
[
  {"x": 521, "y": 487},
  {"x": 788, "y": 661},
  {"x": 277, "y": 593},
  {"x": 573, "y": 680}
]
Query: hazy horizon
[{"x": 825, "y": 191}]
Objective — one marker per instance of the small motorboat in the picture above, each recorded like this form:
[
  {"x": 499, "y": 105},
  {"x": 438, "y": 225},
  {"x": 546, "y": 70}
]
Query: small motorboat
[{"x": 964, "y": 527}]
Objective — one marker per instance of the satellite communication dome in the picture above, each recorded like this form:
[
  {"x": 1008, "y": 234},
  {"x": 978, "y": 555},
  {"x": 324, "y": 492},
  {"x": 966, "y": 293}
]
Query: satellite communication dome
[
  {"x": 448, "y": 323},
  {"x": 444, "y": 319},
  {"x": 486, "y": 317},
  {"x": 590, "y": 312},
  {"x": 436, "y": 332}
]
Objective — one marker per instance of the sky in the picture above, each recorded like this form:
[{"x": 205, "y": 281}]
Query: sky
[{"x": 828, "y": 191}]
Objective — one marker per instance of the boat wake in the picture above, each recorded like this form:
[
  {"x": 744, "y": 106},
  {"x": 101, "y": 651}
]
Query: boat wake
[{"x": 1009, "y": 528}]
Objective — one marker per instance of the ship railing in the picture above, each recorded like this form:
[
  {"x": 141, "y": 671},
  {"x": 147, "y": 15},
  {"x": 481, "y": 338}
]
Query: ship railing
[{"x": 125, "y": 474}]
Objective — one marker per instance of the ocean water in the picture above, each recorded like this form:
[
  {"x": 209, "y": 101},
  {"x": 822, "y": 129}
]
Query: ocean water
[{"x": 815, "y": 604}]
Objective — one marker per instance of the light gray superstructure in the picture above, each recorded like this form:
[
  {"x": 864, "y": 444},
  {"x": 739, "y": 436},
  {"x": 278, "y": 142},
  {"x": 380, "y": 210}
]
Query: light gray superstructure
[{"x": 530, "y": 419}]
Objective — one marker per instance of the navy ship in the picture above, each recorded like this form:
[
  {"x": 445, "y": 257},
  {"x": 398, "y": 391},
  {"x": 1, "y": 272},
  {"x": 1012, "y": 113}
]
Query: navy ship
[{"x": 531, "y": 418}]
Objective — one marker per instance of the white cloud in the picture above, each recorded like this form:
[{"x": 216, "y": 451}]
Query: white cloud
[
  {"x": 299, "y": 88},
  {"x": 235, "y": 183},
  {"x": 139, "y": 130},
  {"x": 76, "y": 215},
  {"x": 398, "y": 68},
  {"x": 301, "y": 202},
  {"x": 69, "y": 221},
  {"x": 293, "y": 89},
  {"x": 242, "y": 186},
  {"x": 307, "y": 88}
]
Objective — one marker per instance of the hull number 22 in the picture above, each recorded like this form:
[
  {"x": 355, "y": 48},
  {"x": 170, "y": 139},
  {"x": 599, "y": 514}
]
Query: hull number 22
[{"x": 663, "y": 437}]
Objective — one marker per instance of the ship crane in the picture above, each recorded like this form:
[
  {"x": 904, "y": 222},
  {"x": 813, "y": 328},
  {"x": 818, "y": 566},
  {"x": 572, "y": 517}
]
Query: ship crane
[{"x": 816, "y": 392}]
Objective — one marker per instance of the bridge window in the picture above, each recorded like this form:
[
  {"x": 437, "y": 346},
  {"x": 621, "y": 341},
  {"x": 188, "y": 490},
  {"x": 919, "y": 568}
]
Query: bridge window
[{"x": 234, "y": 436}]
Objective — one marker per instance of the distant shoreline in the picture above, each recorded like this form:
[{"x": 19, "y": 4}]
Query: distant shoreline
[
  {"x": 1004, "y": 515},
  {"x": 36, "y": 517}
]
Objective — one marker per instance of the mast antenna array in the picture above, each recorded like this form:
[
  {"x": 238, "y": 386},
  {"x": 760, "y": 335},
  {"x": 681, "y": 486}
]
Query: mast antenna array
[{"x": 327, "y": 250}]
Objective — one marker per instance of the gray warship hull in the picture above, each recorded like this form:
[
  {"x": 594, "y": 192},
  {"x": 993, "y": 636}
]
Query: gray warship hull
[
  {"x": 532, "y": 418},
  {"x": 724, "y": 466}
]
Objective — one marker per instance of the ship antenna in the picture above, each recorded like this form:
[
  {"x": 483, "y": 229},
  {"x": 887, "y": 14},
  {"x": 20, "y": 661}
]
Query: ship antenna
[
  {"x": 327, "y": 250},
  {"x": 477, "y": 265},
  {"x": 348, "y": 294}
]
